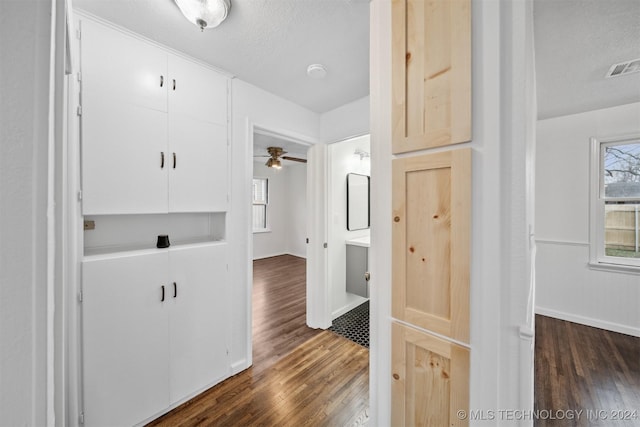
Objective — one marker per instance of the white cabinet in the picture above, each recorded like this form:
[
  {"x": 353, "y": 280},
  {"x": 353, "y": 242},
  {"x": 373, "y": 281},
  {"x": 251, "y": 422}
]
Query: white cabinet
[
  {"x": 154, "y": 128},
  {"x": 154, "y": 330},
  {"x": 125, "y": 336}
]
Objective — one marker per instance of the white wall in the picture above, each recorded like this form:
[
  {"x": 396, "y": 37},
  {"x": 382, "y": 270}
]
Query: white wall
[
  {"x": 252, "y": 106},
  {"x": 346, "y": 121},
  {"x": 286, "y": 211},
  {"x": 566, "y": 287},
  {"x": 24, "y": 108},
  {"x": 341, "y": 162}
]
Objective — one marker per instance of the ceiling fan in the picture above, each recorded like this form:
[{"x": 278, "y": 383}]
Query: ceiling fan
[{"x": 275, "y": 154}]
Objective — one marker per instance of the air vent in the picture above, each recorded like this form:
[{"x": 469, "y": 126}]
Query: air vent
[{"x": 628, "y": 67}]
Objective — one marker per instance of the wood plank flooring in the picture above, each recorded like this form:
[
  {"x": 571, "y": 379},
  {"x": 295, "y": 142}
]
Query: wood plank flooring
[
  {"x": 578, "y": 367},
  {"x": 300, "y": 376}
]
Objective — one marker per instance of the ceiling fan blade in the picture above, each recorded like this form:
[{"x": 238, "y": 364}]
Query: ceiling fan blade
[
  {"x": 264, "y": 155},
  {"x": 294, "y": 159}
]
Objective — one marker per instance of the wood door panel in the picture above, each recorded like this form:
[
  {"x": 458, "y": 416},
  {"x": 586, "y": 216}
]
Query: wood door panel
[
  {"x": 431, "y": 226},
  {"x": 430, "y": 379},
  {"x": 431, "y": 73}
]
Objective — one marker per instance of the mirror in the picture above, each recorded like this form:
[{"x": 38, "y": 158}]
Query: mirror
[{"x": 357, "y": 201}]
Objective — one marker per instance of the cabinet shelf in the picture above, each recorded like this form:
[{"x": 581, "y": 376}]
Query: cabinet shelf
[{"x": 111, "y": 252}]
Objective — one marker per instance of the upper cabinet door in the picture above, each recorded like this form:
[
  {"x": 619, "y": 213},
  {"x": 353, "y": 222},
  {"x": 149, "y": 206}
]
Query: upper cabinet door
[
  {"x": 431, "y": 241},
  {"x": 196, "y": 91},
  {"x": 431, "y": 72},
  {"x": 198, "y": 165},
  {"x": 121, "y": 67}
]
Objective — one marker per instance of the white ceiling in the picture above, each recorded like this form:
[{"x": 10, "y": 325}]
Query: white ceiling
[
  {"x": 576, "y": 41},
  {"x": 268, "y": 43}
]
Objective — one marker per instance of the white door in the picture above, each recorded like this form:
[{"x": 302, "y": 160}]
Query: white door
[
  {"x": 197, "y": 91},
  {"x": 125, "y": 333},
  {"x": 124, "y": 158},
  {"x": 198, "y": 319},
  {"x": 122, "y": 68},
  {"x": 198, "y": 165},
  {"x": 318, "y": 304}
]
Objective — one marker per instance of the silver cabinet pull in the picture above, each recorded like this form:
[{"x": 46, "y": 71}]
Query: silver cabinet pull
[
  {"x": 162, "y": 299},
  {"x": 161, "y": 81},
  {"x": 174, "y": 84},
  {"x": 174, "y": 160},
  {"x": 162, "y": 160},
  {"x": 175, "y": 289}
]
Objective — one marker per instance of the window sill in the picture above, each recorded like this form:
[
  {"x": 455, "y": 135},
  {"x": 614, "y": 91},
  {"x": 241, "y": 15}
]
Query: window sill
[
  {"x": 615, "y": 268},
  {"x": 264, "y": 230}
]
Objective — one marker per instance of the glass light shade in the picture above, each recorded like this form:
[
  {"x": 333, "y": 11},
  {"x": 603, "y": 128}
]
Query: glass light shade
[{"x": 205, "y": 13}]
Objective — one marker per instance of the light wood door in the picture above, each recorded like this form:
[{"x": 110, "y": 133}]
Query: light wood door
[
  {"x": 431, "y": 238},
  {"x": 198, "y": 318},
  {"x": 430, "y": 380},
  {"x": 431, "y": 72},
  {"x": 196, "y": 91},
  {"x": 122, "y": 68},
  {"x": 125, "y": 333},
  {"x": 198, "y": 165}
]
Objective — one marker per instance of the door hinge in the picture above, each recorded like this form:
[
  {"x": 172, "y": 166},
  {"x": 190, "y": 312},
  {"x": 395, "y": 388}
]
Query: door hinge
[
  {"x": 79, "y": 34},
  {"x": 80, "y": 195},
  {"x": 325, "y": 245},
  {"x": 79, "y": 76},
  {"x": 81, "y": 417},
  {"x": 80, "y": 296},
  {"x": 79, "y": 112}
]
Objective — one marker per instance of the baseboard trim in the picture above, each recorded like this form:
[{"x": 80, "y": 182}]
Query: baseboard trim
[
  {"x": 239, "y": 366},
  {"x": 342, "y": 310},
  {"x": 279, "y": 254},
  {"x": 589, "y": 321}
]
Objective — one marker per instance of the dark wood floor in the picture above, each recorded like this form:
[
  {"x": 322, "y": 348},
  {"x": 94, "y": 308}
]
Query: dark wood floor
[
  {"x": 578, "y": 368},
  {"x": 300, "y": 376}
]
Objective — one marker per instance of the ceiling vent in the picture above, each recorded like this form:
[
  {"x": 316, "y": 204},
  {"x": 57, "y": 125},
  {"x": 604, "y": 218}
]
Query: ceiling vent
[{"x": 628, "y": 67}]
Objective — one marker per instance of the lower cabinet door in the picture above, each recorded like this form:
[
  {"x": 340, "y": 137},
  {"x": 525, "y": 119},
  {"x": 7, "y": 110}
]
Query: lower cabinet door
[
  {"x": 430, "y": 380},
  {"x": 198, "y": 319},
  {"x": 124, "y": 336}
]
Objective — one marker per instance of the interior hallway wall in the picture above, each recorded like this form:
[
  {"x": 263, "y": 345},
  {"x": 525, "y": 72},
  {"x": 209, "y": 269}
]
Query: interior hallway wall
[
  {"x": 566, "y": 287},
  {"x": 286, "y": 211},
  {"x": 24, "y": 109}
]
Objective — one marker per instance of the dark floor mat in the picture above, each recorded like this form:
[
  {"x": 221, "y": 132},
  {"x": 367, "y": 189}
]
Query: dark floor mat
[{"x": 354, "y": 325}]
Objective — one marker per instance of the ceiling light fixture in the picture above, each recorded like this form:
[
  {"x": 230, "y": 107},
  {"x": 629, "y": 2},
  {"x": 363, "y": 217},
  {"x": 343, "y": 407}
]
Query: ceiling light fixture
[
  {"x": 316, "y": 71},
  {"x": 274, "y": 163},
  {"x": 205, "y": 13}
]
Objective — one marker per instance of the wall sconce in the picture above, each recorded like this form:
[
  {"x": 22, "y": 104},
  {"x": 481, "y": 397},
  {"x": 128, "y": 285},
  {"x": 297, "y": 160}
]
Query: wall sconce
[
  {"x": 360, "y": 152},
  {"x": 205, "y": 13}
]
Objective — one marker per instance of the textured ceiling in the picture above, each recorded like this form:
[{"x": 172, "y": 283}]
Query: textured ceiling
[
  {"x": 576, "y": 41},
  {"x": 268, "y": 43}
]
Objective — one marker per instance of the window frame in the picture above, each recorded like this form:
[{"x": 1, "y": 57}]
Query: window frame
[
  {"x": 598, "y": 258},
  {"x": 266, "y": 228}
]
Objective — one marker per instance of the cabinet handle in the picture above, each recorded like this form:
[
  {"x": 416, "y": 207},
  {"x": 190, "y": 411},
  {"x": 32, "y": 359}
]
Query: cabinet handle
[
  {"x": 161, "y": 81},
  {"x": 175, "y": 289},
  {"x": 162, "y": 299},
  {"x": 174, "y": 84},
  {"x": 162, "y": 160},
  {"x": 174, "y": 160}
]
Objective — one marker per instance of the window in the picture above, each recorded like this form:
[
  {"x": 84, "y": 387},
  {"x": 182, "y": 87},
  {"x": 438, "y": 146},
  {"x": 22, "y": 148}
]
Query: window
[
  {"x": 615, "y": 200},
  {"x": 260, "y": 201}
]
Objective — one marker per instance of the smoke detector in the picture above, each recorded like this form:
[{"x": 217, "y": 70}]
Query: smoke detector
[
  {"x": 627, "y": 67},
  {"x": 316, "y": 71}
]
